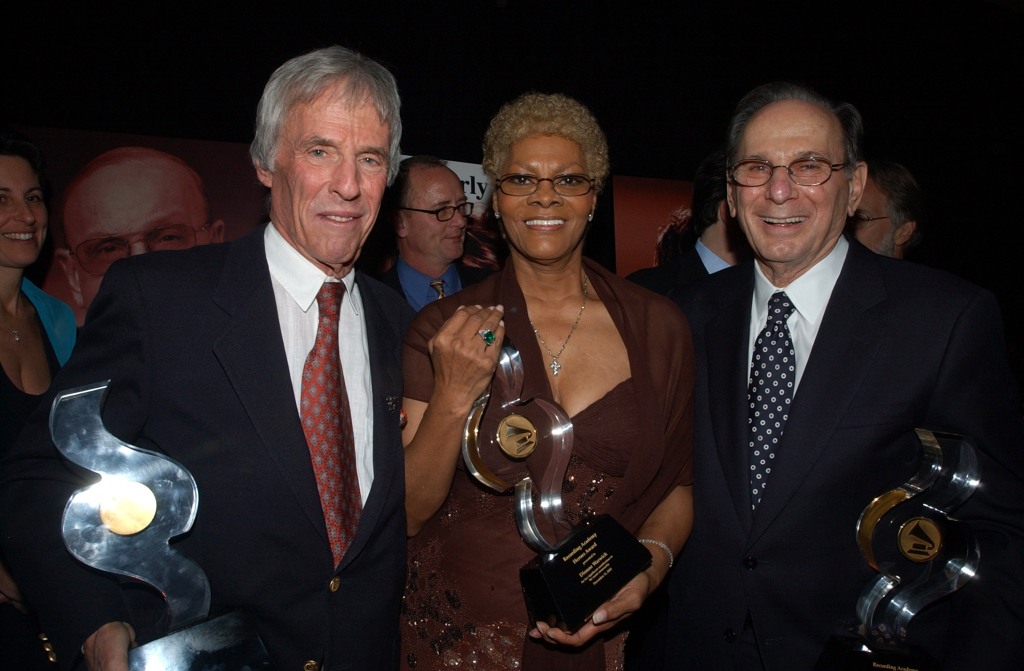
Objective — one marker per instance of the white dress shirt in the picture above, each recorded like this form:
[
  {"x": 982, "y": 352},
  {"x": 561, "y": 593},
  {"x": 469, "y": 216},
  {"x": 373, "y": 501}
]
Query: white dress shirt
[
  {"x": 809, "y": 294},
  {"x": 296, "y": 283}
]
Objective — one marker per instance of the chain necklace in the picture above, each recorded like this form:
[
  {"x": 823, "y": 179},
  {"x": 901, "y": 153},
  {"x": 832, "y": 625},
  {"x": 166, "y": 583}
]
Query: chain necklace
[{"x": 555, "y": 366}]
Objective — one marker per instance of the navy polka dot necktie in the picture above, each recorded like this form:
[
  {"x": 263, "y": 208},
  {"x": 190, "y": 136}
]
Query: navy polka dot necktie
[{"x": 772, "y": 375}]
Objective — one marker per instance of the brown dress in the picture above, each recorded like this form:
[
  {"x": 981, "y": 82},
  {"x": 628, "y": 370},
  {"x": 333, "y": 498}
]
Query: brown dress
[{"x": 463, "y": 605}]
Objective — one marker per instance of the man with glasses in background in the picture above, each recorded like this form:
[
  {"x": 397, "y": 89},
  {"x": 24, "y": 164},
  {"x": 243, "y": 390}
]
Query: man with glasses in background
[
  {"x": 129, "y": 201},
  {"x": 815, "y": 364},
  {"x": 890, "y": 214},
  {"x": 429, "y": 212}
]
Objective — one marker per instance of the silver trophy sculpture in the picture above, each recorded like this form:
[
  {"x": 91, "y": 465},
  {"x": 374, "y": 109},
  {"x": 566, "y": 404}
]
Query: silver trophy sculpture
[
  {"x": 920, "y": 552},
  {"x": 577, "y": 567},
  {"x": 123, "y": 524}
]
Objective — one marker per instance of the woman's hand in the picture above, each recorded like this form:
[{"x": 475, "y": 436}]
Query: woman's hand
[
  {"x": 463, "y": 362},
  {"x": 626, "y": 602}
]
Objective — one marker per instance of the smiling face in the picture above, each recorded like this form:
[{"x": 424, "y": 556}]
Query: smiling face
[
  {"x": 792, "y": 227},
  {"x": 425, "y": 243},
  {"x": 545, "y": 227},
  {"x": 23, "y": 216},
  {"x": 330, "y": 170}
]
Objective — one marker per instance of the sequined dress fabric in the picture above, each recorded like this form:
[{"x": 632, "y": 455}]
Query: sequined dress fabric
[{"x": 463, "y": 605}]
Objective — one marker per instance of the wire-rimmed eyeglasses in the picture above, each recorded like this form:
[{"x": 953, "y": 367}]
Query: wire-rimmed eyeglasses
[
  {"x": 862, "y": 218},
  {"x": 523, "y": 184},
  {"x": 445, "y": 213},
  {"x": 97, "y": 254},
  {"x": 804, "y": 172}
]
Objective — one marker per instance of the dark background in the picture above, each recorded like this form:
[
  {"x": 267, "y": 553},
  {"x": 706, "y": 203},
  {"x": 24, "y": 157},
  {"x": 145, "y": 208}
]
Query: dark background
[{"x": 939, "y": 84}]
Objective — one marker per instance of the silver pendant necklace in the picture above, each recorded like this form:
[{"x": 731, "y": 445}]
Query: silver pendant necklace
[{"x": 555, "y": 366}]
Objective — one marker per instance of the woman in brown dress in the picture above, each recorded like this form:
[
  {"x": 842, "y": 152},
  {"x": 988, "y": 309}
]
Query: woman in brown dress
[{"x": 617, "y": 358}]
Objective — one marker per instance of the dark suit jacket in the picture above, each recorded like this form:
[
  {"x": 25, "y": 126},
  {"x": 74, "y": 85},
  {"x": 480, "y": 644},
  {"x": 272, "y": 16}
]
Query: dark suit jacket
[
  {"x": 686, "y": 270},
  {"x": 467, "y": 275},
  {"x": 900, "y": 346},
  {"x": 191, "y": 344}
]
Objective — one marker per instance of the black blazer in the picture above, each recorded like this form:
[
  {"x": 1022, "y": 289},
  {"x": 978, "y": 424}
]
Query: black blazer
[
  {"x": 900, "y": 346},
  {"x": 191, "y": 344},
  {"x": 665, "y": 280}
]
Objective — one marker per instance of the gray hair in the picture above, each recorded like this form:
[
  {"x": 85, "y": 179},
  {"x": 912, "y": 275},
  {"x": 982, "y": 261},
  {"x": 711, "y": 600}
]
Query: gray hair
[
  {"x": 303, "y": 78},
  {"x": 767, "y": 94}
]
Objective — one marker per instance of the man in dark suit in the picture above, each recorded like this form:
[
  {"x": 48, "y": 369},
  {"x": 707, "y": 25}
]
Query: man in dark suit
[
  {"x": 711, "y": 239},
  {"x": 205, "y": 352},
  {"x": 428, "y": 209},
  {"x": 773, "y": 569}
]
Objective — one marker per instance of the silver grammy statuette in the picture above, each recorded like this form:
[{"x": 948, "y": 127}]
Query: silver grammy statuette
[
  {"x": 124, "y": 523},
  {"x": 920, "y": 552},
  {"x": 577, "y": 567}
]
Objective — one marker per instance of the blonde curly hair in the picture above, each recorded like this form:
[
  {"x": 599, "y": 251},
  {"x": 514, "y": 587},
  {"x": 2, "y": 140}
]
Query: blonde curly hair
[{"x": 533, "y": 114}]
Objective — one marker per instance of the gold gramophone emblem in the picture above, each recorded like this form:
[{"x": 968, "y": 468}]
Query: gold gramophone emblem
[
  {"x": 920, "y": 539},
  {"x": 517, "y": 436}
]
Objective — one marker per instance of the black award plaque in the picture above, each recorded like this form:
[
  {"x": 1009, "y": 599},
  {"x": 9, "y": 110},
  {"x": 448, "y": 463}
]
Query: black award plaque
[
  {"x": 123, "y": 524},
  {"x": 577, "y": 568},
  {"x": 920, "y": 552}
]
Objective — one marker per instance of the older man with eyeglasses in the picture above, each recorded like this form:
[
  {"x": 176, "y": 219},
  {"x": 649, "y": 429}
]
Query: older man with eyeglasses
[
  {"x": 429, "y": 211},
  {"x": 816, "y": 362},
  {"x": 129, "y": 201}
]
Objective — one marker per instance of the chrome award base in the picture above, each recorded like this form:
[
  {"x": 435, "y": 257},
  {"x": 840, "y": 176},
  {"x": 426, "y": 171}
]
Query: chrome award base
[{"x": 228, "y": 642}]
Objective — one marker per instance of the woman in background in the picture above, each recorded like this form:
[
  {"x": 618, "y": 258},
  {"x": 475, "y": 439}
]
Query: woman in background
[
  {"x": 617, "y": 358},
  {"x": 37, "y": 333}
]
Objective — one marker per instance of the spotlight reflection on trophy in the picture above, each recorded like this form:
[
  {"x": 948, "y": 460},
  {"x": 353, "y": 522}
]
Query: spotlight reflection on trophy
[
  {"x": 921, "y": 553},
  {"x": 578, "y": 567},
  {"x": 123, "y": 524}
]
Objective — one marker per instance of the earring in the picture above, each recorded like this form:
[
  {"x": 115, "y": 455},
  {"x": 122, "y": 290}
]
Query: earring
[
  {"x": 497, "y": 215},
  {"x": 590, "y": 217}
]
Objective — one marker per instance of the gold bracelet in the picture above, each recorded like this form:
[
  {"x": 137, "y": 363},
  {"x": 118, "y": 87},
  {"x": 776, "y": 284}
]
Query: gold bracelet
[{"x": 663, "y": 546}]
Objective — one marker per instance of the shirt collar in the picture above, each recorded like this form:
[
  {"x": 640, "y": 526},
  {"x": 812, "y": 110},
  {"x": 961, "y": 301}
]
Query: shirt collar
[
  {"x": 297, "y": 275},
  {"x": 713, "y": 262},
  {"x": 810, "y": 292}
]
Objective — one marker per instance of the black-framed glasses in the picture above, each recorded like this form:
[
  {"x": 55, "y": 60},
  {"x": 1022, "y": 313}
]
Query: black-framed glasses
[
  {"x": 447, "y": 212},
  {"x": 804, "y": 172},
  {"x": 97, "y": 254},
  {"x": 523, "y": 184}
]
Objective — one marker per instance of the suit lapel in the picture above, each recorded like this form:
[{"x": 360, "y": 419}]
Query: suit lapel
[
  {"x": 726, "y": 338},
  {"x": 251, "y": 352},
  {"x": 386, "y": 381},
  {"x": 849, "y": 335}
]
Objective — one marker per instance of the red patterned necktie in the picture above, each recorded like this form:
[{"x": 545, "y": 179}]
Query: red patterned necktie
[{"x": 327, "y": 423}]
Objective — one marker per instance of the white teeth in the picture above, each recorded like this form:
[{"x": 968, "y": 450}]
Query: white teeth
[
  {"x": 787, "y": 220},
  {"x": 340, "y": 220},
  {"x": 19, "y": 236},
  {"x": 545, "y": 222}
]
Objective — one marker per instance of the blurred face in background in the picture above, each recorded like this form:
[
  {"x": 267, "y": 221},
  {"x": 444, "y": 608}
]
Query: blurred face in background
[{"x": 142, "y": 204}]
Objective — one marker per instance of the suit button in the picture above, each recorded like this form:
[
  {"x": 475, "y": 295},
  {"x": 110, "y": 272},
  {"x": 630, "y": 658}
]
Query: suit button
[
  {"x": 750, "y": 563},
  {"x": 334, "y": 584},
  {"x": 730, "y": 635},
  {"x": 311, "y": 665}
]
